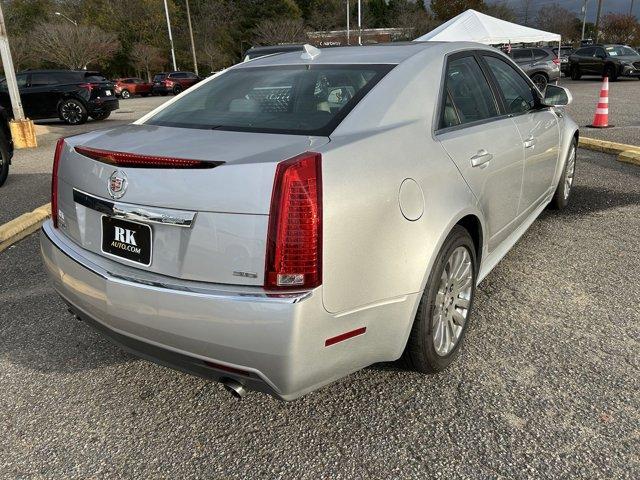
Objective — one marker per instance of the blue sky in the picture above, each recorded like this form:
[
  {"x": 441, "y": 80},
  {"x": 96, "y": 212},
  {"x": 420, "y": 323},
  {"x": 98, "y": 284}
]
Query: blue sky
[{"x": 617, "y": 6}]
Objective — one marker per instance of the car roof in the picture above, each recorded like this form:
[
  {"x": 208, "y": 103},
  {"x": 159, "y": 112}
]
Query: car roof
[{"x": 388, "y": 53}]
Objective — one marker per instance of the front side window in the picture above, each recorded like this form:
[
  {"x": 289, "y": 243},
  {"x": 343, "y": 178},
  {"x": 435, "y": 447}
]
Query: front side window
[
  {"x": 21, "y": 79},
  {"x": 620, "y": 50},
  {"x": 599, "y": 52},
  {"x": 301, "y": 99},
  {"x": 518, "y": 94},
  {"x": 471, "y": 96}
]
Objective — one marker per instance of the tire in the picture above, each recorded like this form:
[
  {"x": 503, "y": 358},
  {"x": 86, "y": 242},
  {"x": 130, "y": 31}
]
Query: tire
[
  {"x": 541, "y": 81},
  {"x": 144, "y": 94},
  {"x": 4, "y": 164},
  {"x": 125, "y": 94},
  {"x": 426, "y": 350},
  {"x": 72, "y": 112},
  {"x": 563, "y": 191},
  {"x": 611, "y": 72},
  {"x": 101, "y": 116},
  {"x": 177, "y": 90},
  {"x": 575, "y": 72}
]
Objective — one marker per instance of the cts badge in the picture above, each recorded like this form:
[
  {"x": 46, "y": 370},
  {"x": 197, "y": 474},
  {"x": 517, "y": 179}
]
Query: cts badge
[{"x": 117, "y": 185}]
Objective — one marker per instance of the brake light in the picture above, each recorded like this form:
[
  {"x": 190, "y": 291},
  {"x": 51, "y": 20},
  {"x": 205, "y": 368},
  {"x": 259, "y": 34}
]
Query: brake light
[
  {"x": 168, "y": 83},
  {"x": 134, "y": 160},
  {"x": 54, "y": 181},
  {"x": 294, "y": 238}
]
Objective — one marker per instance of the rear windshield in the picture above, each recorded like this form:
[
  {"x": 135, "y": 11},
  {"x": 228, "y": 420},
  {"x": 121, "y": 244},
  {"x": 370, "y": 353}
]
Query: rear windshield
[
  {"x": 159, "y": 77},
  {"x": 299, "y": 99}
]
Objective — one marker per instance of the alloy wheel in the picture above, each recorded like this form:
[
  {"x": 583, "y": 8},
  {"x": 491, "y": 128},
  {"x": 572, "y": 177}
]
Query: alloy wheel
[
  {"x": 571, "y": 170},
  {"x": 71, "y": 112},
  {"x": 452, "y": 301}
]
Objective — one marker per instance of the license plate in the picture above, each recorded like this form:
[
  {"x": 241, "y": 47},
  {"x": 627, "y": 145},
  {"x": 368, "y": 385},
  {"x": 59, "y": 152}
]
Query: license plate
[
  {"x": 107, "y": 92},
  {"x": 126, "y": 239}
]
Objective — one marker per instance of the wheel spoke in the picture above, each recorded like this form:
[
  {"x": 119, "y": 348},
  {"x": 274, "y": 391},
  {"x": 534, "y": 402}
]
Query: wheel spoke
[
  {"x": 458, "y": 318},
  {"x": 461, "y": 302}
]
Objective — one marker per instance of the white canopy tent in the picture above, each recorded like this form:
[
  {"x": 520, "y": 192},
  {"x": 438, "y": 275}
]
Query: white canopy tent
[{"x": 473, "y": 26}]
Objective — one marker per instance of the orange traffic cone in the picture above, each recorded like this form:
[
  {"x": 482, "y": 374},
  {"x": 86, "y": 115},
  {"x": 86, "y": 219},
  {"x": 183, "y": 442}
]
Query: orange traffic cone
[{"x": 601, "y": 118}]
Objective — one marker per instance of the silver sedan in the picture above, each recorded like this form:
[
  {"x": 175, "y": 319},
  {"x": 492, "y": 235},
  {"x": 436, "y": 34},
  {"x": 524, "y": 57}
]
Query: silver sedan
[{"x": 300, "y": 216}]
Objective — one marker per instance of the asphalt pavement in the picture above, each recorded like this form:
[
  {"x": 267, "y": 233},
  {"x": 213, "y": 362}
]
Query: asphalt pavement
[
  {"x": 624, "y": 108},
  {"x": 546, "y": 386}
]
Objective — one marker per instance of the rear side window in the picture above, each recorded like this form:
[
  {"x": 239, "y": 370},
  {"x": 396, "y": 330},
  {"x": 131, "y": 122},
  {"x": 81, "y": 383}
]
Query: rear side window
[
  {"x": 300, "y": 99},
  {"x": 43, "y": 79},
  {"x": 522, "y": 55},
  {"x": 469, "y": 91},
  {"x": 539, "y": 54},
  {"x": 585, "y": 52},
  {"x": 518, "y": 94}
]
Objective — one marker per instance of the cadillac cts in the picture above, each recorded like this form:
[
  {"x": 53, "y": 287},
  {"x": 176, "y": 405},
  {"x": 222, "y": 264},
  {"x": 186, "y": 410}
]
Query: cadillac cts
[{"x": 303, "y": 215}]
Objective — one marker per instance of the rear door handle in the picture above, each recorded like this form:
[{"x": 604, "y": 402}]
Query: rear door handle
[
  {"x": 529, "y": 142},
  {"x": 481, "y": 159}
]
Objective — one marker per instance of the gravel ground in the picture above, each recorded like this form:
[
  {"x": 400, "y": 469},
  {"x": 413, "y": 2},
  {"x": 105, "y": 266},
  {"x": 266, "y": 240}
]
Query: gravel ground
[
  {"x": 624, "y": 108},
  {"x": 546, "y": 386}
]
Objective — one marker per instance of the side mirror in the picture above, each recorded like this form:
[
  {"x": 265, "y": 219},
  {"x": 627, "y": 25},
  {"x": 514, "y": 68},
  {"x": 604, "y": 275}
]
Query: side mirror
[{"x": 556, "y": 96}]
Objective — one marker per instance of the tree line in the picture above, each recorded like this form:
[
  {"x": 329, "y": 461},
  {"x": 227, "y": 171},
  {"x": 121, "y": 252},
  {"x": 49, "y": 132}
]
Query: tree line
[{"x": 124, "y": 37}]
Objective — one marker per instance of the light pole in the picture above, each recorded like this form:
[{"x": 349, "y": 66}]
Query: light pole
[
  {"x": 348, "y": 21},
  {"x": 64, "y": 16},
  {"x": 359, "y": 22},
  {"x": 584, "y": 18},
  {"x": 193, "y": 46},
  {"x": 598, "y": 20},
  {"x": 173, "y": 53}
]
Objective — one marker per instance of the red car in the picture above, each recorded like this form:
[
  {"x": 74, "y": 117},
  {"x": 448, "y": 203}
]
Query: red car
[
  {"x": 173, "y": 82},
  {"x": 126, "y": 87}
]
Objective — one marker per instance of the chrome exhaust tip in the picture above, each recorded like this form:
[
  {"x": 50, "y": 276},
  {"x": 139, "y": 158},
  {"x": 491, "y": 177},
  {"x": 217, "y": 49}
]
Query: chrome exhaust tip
[{"x": 234, "y": 387}]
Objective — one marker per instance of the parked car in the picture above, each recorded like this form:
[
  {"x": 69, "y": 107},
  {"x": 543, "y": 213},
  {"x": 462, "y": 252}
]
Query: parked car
[
  {"x": 6, "y": 146},
  {"x": 612, "y": 61},
  {"x": 541, "y": 64},
  {"x": 70, "y": 95},
  {"x": 299, "y": 217},
  {"x": 126, "y": 87},
  {"x": 257, "y": 52},
  {"x": 565, "y": 51},
  {"x": 173, "y": 82}
]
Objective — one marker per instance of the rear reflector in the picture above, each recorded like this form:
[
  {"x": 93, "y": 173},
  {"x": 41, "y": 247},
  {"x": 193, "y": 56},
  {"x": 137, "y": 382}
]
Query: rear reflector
[
  {"x": 54, "y": 181},
  {"x": 134, "y": 160},
  {"x": 294, "y": 239},
  {"x": 339, "y": 338}
]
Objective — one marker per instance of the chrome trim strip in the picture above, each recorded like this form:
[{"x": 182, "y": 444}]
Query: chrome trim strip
[
  {"x": 188, "y": 287},
  {"x": 163, "y": 216}
]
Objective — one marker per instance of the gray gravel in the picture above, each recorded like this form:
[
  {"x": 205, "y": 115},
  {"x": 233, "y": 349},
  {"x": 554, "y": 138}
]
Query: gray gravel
[
  {"x": 624, "y": 108},
  {"x": 546, "y": 386}
]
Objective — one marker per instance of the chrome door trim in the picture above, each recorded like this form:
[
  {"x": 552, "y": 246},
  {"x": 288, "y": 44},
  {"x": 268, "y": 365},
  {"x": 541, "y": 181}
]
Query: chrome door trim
[{"x": 163, "y": 216}]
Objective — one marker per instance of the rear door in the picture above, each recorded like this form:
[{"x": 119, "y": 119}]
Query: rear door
[
  {"x": 523, "y": 58},
  {"x": 538, "y": 129},
  {"x": 44, "y": 93},
  {"x": 598, "y": 60},
  {"x": 484, "y": 144}
]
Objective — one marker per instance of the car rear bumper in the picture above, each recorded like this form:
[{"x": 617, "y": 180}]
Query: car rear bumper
[
  {"x": 275, "y": 344},
  {"x": 162, "y": 89},
  {"x": 100, "y": 105}
]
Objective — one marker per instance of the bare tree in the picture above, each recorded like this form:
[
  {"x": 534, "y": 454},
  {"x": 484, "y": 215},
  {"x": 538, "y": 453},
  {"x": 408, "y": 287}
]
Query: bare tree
[
  {"x": 21, "y": 52},
  {"x": 146, "y": 57},
  {"x": 274, "y": 32},
  {"x": 526, "y": 11},
  {"x": 556, "y": 19},
  {"x": 215, "y": 57},
  {"x": 619, "y": 28},
  {"x": 73, "y": 46},
  {"x": 414, "y": 20}
]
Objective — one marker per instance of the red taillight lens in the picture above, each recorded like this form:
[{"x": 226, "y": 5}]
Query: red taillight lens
[
  {"x": 168, "y": 83},
  {"x": 54, "y": 181},
  {"x": 556, "y": 61},
  {"x": 294, "y": 240}
]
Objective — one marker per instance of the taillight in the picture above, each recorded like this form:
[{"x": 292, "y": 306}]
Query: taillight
[
  {"x": 54, "y": 181},
  {"x": 294, "y": 239},
  {"x": 168, "y": 83},
  {"x": 556, "y": 61},
  {"x": 134, "y": 160}
]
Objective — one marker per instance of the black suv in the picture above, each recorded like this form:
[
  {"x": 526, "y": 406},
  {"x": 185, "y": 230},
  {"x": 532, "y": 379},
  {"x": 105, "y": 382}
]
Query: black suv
[
  {"x": 6, "y": 146},
  {"x": 612, "y": 61},
  {"x": 70, "y": 95}
]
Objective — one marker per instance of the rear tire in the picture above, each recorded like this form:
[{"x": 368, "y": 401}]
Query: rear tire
[
  {"x": 101, "y": 116},
  {"x": 565, "y": 184},
  {"x": 177, "y": 90},
  {"x": 575, "y": 72},
  {"x": 72, "y": 112},
  {"x": 444, "y": 311},
  {"x": 4, "y": 164},
  {"x": 125, "y": 94},
  {"x": 540, "y": 81}
]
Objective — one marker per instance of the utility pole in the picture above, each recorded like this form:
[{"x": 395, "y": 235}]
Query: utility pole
[
  {"x": 348, "y": 20},
  {"x": 359, "y": 22},
  {"x": 631, "y": 8},
  {"x": 22, "y": 130},
  {"x": 173, "y": 53},
  {"x": 193, "y": 46},
  {"x": 584, "y": 18},
  {"x": 598, "y": 20}
]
